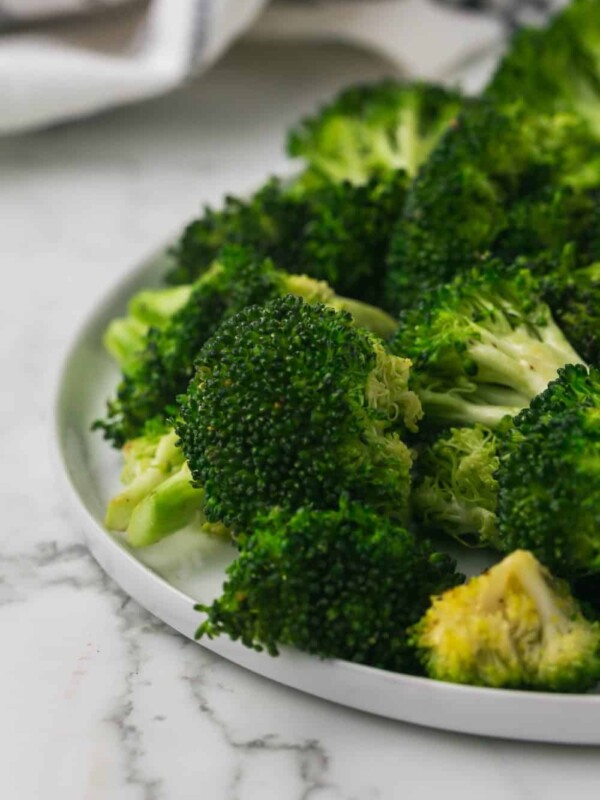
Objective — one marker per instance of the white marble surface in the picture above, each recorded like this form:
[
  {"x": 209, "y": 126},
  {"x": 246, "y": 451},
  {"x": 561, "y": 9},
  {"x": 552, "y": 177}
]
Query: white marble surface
[{"x": 99, "y": 700}]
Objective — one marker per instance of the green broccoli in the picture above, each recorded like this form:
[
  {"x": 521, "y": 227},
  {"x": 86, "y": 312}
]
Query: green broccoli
[
  {"x": 456, "y": 490},
  {"x": 125, "y": 337},
  {"x": 531, "y": 484},
  {"x": 342, "y": 583},
  {"x": 291, "y": 406},
  {"x": 515, "y": 626},
  {"x": 548, "y": 495},
  {"x": 162, "y": 369},
  {"x": 482, "y": 346},
  {"x": 373, "y": 130},
  {"x": 573, "y": 296},
  {"x": 507, "y": 183},
  {"x": 556, "y": 68},
  {"x": 158, "y": 498},
  {"x": 336, "y": 232}
]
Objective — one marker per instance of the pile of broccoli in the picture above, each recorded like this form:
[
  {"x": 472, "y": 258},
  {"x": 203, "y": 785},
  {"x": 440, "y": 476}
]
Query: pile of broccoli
[{"x": 390, "y": 355}]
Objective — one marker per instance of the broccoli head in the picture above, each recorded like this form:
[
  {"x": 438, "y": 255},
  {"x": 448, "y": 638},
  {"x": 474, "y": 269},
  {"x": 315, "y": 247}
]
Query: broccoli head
[
  {"x": 336, "y": 232},
  {"x": 515, "y": 626},
  {"x": 556, "y": 68},
  {"x": 456, "y": 490},
  {"x": 292, "y": 405},
  {"x": 500, "y": 183},
  {"x": 372, "y": 130},
  {"x": 548, "y": 488},
  {"x": 573, "y": 295},
  {"x": 482, "y": 346},
  {"x": 342, "y": 583},
  {"x": 161, "y": 370}
]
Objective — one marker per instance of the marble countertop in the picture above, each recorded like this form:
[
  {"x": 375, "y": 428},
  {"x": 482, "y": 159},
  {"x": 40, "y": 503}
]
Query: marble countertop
[{"x": 98, "y": 699}]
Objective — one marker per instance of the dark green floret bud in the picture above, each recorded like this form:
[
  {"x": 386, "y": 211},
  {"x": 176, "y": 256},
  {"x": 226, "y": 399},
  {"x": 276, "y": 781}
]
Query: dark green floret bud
[
  {"x": 549, "y": 490},
  {"x": 291, "y": 406},
  {"x": 574, "y": 298},
  {"x": 343, "y": 583},
  {"x": 335, "y": 232},
  {"x": 505, "y": 183}
]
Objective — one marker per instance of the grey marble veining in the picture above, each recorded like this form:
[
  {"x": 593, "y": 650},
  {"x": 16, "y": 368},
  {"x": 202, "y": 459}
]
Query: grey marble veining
[{"x": 98, "y": 699}]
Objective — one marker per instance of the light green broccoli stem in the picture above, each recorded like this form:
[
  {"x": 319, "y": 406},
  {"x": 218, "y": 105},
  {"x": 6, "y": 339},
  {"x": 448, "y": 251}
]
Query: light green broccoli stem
[
  {"x": 457, "y": 519},
  {"x": 364, "y": 315},
  {"x": 452, "y": 408},
  {"x": 124, "y": 339},
  {"x": 157, "y": 306},
  {"x": 172, "y": 505},
  {"x": 520, "y": 361},
  {"x": 167, "y": 459}
]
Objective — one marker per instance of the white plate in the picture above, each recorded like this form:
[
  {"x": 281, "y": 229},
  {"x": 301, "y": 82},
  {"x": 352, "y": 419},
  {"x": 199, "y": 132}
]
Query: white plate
[{"x": 169, "y": 577}]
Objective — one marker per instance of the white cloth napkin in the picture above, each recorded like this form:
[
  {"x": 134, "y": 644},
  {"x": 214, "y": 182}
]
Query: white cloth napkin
[{"x": 60, "y": 59}]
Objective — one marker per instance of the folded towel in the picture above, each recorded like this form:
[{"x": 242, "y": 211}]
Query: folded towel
[{"x": 61, "y": 59}]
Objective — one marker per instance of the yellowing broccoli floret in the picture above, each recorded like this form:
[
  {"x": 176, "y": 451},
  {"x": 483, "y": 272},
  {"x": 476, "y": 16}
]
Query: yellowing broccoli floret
[{"x": 513, "y": 626}]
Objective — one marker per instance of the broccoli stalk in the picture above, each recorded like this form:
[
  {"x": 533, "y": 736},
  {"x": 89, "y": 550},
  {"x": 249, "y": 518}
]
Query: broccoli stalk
[
  {"x": 482, "y": 346},
  {"x": 171, "y": 505},
  {"x": 159, "y": 497},
  {"x": 149, "y": 460},
  {"x": 515, "y": 626},
  {"x": 125, "y": 337}
]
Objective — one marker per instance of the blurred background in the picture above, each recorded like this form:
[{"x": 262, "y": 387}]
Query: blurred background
[{"x": 60, "y": 59}]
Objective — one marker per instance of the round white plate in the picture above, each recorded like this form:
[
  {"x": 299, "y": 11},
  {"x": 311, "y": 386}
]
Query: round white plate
[{"x": 170, "y": 576}]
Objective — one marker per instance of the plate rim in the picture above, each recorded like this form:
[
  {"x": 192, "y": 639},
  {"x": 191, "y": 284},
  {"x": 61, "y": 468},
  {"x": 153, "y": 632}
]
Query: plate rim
[{"x": 142, "y": 583}]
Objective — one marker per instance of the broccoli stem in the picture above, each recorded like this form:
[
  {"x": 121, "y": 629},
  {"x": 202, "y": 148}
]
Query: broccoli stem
[
  {"x": 366, "y": 316},
  {"x": 167, "y": 458},
  {"x": 124, "y": 339},
  {"x": 453, "y": 408},
  {"x": 520, "y": 361},
  {"x": 157, "y": 306},
  {"x": 172, "y": 505}
]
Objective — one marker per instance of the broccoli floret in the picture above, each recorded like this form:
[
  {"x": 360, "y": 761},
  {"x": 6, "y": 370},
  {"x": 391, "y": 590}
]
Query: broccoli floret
[
  {"x": 456, "y": 491},
  {"x": 574, "y": 298},
  {"x": 291, "y": 406},
  {"x": 125, "y": 337},
  {"x": 158, "y": 498},
  {"x": 548, "y": 495},
  {"x": 499, "y": 183},
  {"x": 575, "y": 387},
  {"x": 530, "y": 484},
  {"x": 372, "y": 130},
  {"x": 514, "y": 626},
  {"x": 336, "y": 232},
  {"x": 162, "y": 370},
  {"x": 482, "y": 346},
  {"x": 556, "y": 68},
  {"x": 343, "y": 583}
]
